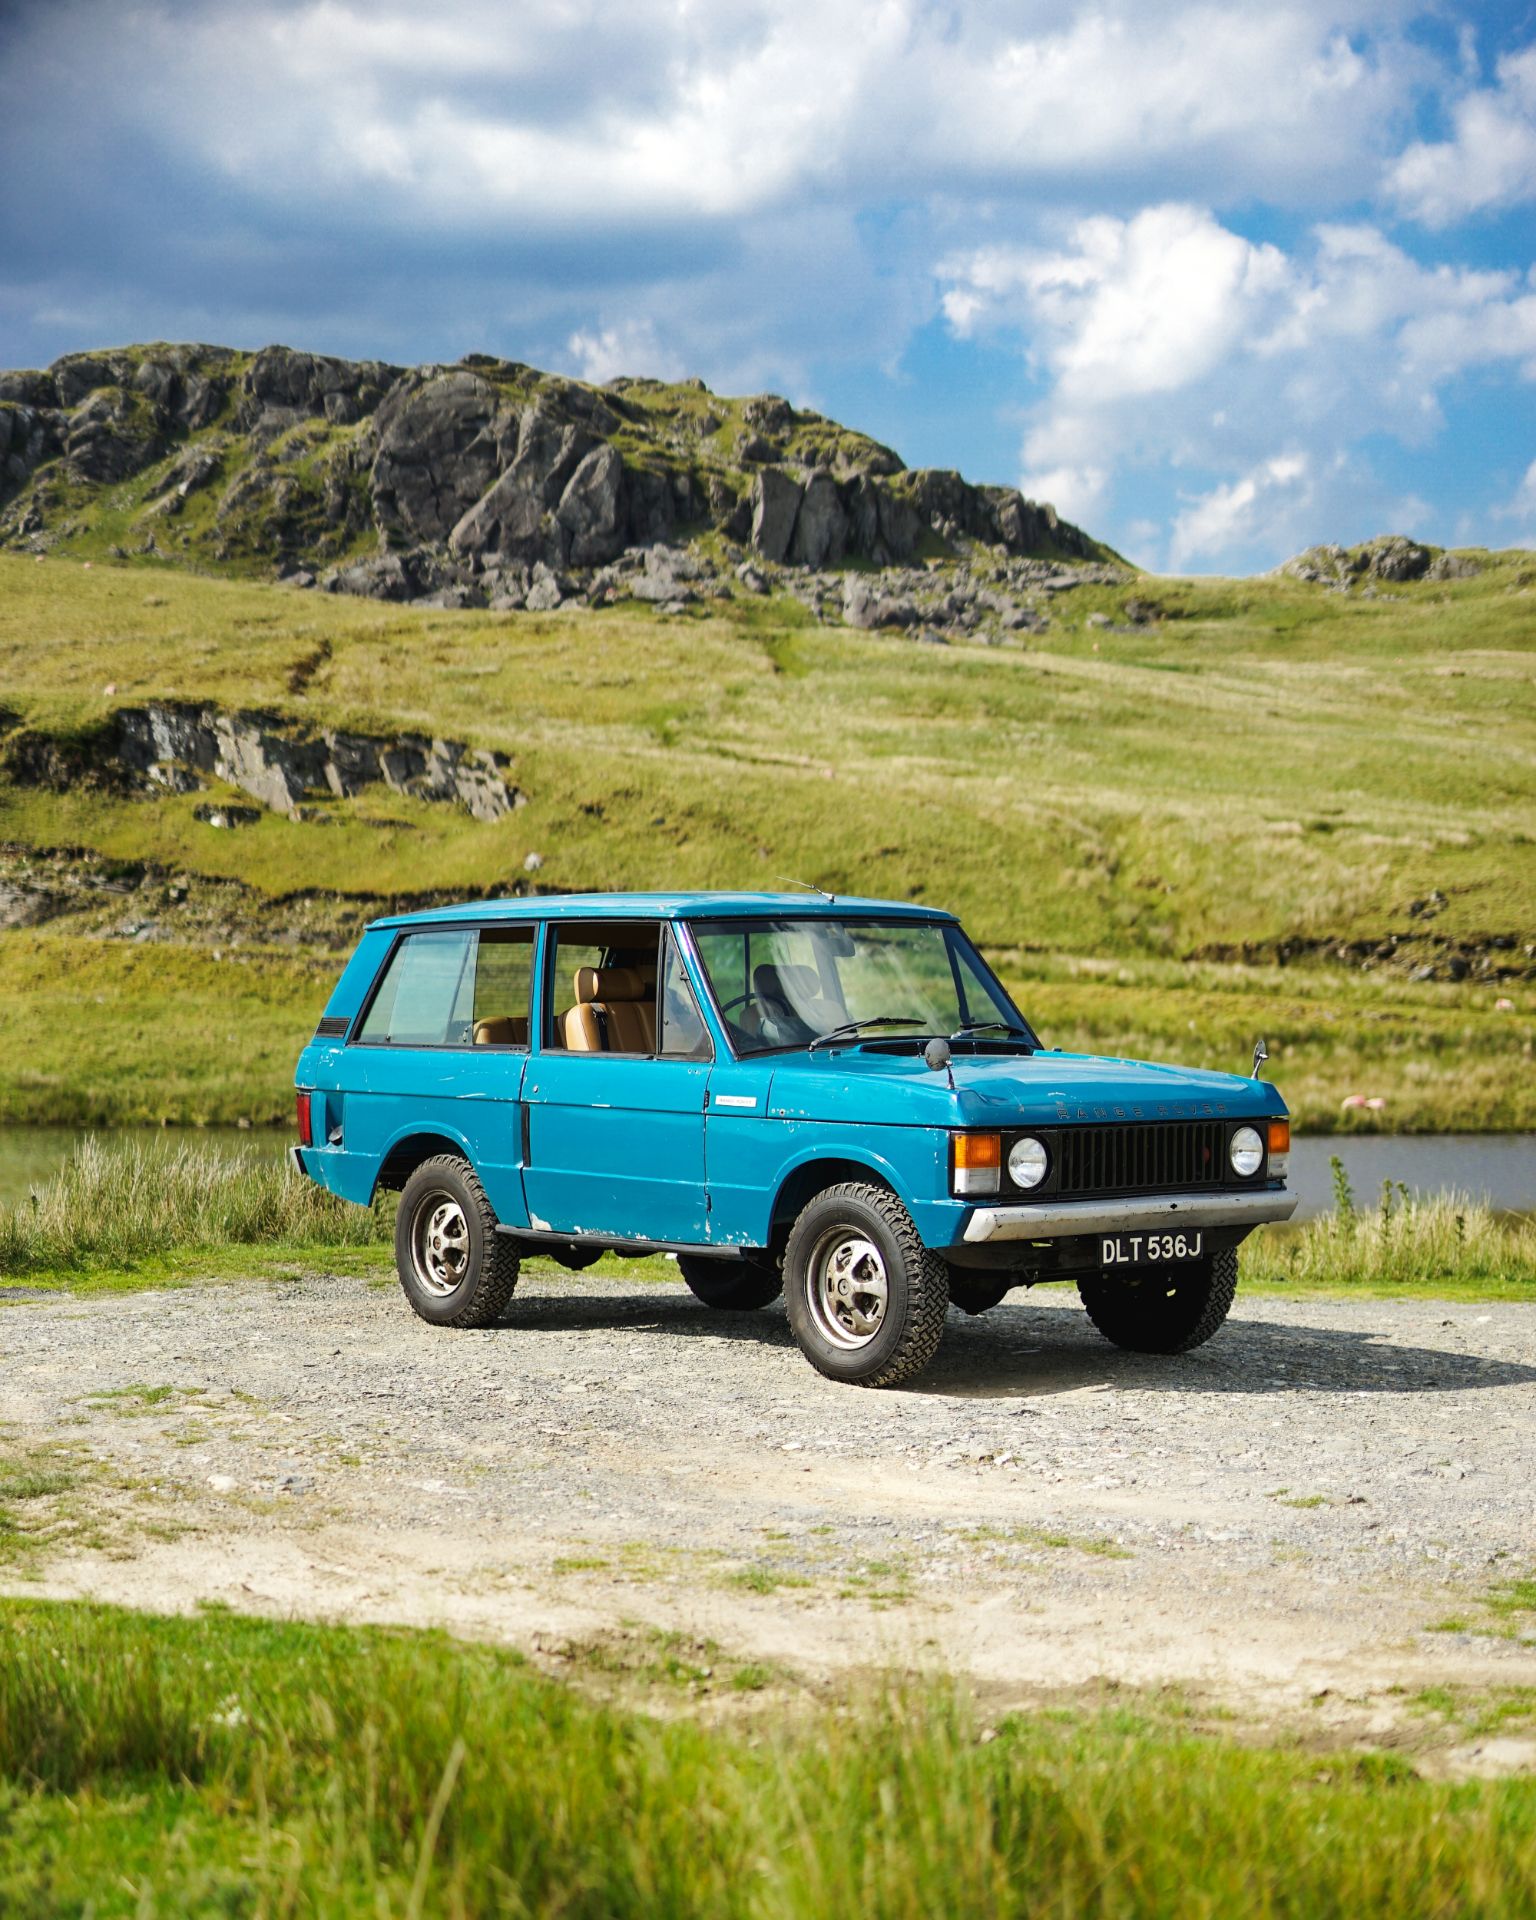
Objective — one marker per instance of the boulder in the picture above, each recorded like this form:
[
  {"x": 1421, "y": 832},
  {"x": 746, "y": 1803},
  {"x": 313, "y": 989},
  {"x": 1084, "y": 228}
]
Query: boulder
[
  {"x": 769, "y": 414},
  {"x": 1394, "y": 557},
  {"x": 821, "y": 527},
  {"x": 107, "y": 440},
  {"x": 29, "y": 389},
  {"x": 775, "y": 504},
  {"x": 652, "y": 507},
  {"x": 437, "y": 456},
  {"x": 515, "y": 518}
]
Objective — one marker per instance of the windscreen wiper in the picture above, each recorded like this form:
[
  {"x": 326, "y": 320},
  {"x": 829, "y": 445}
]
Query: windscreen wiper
[
  {"x": 850, "y": 1028},
  {"x": 992, "y": 1026}
]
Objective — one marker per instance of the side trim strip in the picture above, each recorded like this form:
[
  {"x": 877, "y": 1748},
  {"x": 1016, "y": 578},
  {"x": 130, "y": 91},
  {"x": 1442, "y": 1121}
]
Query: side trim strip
[
  {"x": 1056, "y": 1220},
  {"x": 611, "y": 1243}
]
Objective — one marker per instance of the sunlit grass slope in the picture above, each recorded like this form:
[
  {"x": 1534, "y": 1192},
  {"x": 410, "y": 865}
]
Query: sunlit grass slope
[{"x": 1265, "y": 762}]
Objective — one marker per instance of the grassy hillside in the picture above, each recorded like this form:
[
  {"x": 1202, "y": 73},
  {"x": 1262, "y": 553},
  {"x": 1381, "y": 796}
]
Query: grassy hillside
[{"x": 1259, "y": 763}]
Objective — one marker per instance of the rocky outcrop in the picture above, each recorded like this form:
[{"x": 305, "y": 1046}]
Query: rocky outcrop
[
  {"x": 178, "y": 749},
  {"x": 451, "y": 484},
  {"x": 1391, "y": 557}
]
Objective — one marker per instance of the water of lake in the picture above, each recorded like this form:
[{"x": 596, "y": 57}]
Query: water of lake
[{"x": 1500, "y": 1167}]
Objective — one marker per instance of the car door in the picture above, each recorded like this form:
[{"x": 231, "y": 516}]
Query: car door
[
  {"x": 616, "y": 1126},
  {"x": 441, "y": 1048}
]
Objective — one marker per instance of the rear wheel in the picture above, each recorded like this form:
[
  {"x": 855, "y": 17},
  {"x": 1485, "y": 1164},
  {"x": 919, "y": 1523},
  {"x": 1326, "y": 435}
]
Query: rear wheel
[
  {"x": 455, "y": 1268},
  {"x": 866, "y": 1298},
  {"x": 973, "y": 1293},
  {"x": 1163, "y": 1309},
  {"x": 732, "y": 1286}
]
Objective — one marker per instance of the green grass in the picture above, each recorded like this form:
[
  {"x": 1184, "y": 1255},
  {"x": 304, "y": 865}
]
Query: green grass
[
  {"x": 1316, "y": 765},
  {"x": 156, "y": 1767},
  {"x": 138, "y": 1216},
  {"x": 1448, "y": 1247},
  {"x": 107, "y": 1212}
]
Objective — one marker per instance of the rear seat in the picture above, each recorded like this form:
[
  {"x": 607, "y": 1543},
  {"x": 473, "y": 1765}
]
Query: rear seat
[
  {"x": 501, "y": 1030},
  {"x": 615, "y": 1012}
]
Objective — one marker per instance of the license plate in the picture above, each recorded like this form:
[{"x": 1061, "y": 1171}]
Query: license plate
[{"x": 1149, "y": 1249}]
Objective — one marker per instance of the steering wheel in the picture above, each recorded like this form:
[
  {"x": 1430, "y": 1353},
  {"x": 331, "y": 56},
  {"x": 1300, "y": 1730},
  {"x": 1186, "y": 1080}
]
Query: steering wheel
[{"x": 740, "y": 1000}]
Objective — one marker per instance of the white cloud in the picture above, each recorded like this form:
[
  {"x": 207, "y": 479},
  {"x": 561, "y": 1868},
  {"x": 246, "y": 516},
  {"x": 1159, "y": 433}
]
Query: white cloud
[
  {"x": 1489, "y": 161},
  {"x": 1233, "y": 515},
  {"x": 1521, "y": 508},
  {"x": 482, "y": 114},
  {"x": 1168, "y": 342},
  {"x": 631, "y": 347}
]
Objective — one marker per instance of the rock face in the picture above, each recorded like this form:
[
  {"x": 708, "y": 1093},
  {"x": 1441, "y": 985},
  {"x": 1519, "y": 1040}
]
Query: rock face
[
  {"x": 450, "y": 484},
  {"x": 1391, "y": 557},
  {"x": 177, "y": 749}
]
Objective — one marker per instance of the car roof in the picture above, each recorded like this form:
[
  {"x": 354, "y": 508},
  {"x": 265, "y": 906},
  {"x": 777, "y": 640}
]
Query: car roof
[{"x": 664, "y": 906}]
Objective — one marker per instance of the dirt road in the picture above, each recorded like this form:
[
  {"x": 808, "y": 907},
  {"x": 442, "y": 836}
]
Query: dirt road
[{"x": 1276, "y": 1521}]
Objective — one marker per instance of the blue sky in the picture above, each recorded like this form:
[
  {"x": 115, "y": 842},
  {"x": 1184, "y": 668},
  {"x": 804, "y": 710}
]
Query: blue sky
[{"x": 1219, "y": 281}]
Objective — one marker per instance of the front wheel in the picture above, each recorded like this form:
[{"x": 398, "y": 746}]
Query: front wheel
[
  {"x": 732, "y": 1286},
  {"x": 866, "y": 1299},
  {"x": 1163, "y": 1309},
  {"x": 455, "y": 1268}
]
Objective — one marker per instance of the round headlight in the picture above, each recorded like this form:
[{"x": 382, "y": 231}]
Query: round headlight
[
  {"x": 1246, "y": 1152},
  {"x": 1028, "y": 1162}
]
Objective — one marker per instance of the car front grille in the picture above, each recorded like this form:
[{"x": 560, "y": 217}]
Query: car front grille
[{"x": 1154, "y": 1157}]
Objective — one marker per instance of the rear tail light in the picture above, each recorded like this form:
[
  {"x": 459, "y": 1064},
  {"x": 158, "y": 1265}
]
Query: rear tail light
[
  {"x": 976, "y": 1162},
  {"x": 306, "y": 1123}
]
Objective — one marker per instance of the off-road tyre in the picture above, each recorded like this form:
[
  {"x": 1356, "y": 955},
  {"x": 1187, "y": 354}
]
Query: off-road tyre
[
  {"x": 976, "y": 1292},
  {"x": 1163, "y": 1309},
  {"x": 731, "y": 1286},
  {"x": 455, "y": 1268},
  {"x": 909, "y": 1327}
]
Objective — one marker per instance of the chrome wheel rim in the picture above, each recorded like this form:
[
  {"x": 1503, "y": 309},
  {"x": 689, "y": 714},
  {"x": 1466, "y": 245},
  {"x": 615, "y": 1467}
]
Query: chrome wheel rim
[
  {"x": 440, "y": 1244},
  {"x": 849, "y": 1289}
]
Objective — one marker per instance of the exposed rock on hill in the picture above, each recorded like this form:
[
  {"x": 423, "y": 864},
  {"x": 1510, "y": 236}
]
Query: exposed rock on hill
[
  {"x": 486, "y": 483},
  {"x": 179, "y": 749},
  {"x": 1389, "y": 557}
]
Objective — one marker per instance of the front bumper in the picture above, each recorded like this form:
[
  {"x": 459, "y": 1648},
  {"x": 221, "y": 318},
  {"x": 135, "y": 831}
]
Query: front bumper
[{"x": 1059, "y": 1219}]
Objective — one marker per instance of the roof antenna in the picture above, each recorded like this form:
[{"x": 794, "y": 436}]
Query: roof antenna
[{"x": 809, "y": 885}]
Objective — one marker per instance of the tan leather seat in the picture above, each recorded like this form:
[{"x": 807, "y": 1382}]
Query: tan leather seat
[
  {"x": 501, "y": 1030},
  {"x": 615, "y": 1012}
]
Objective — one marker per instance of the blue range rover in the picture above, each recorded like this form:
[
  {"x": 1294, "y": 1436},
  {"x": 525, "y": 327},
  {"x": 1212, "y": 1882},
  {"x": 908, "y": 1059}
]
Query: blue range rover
[{"x": 830, "y": 1098}]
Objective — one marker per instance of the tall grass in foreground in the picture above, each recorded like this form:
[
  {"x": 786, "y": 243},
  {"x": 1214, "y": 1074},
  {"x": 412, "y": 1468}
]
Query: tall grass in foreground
[
  {"x": 1449, "y": 1240},
  {"x": 106, "y": 1207},
  {"x": 158, "y": 1767}
]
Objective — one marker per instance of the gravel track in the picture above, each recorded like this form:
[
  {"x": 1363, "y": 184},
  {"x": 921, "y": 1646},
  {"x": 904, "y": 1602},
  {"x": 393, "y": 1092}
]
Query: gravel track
[{"x": 1275, "y": 1519}]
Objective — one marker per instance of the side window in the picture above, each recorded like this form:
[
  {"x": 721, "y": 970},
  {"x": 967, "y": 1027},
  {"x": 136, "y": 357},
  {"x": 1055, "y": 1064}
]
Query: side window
[
  {"x": 426, "y": 997},
  {"x": 503, "y": 986},
  {"x": 683, "y": 1033},
  {"x": 603, "y": 987}
]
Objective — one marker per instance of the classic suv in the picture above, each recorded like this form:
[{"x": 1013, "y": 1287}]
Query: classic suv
[{"x": 830, "y": 1098}]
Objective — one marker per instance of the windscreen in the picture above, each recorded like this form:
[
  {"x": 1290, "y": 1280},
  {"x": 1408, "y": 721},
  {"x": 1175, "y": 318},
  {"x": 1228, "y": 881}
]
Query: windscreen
[{"x": 793, "y": 983}]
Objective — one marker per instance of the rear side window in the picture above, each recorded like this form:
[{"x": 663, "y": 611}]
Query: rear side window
[{"x": 454, "y": 987}]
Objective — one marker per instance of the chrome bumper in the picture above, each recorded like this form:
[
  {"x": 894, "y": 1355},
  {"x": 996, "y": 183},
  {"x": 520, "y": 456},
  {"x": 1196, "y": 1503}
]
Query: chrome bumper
[
  {"x": 296, "y": 1161},
  {"x": 1057, "y": 1219}
]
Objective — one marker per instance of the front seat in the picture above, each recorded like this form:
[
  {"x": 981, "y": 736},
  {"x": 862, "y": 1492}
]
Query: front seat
[
  {"x": 779, "y": 991},
  {"x": 615, "y": 1012}
]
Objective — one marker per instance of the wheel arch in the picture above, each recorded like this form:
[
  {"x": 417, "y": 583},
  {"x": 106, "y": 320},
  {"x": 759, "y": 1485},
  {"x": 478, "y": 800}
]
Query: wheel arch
[
  {"x": 406, "y": 1153},
  {"x": 800, "y": 1184}
]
